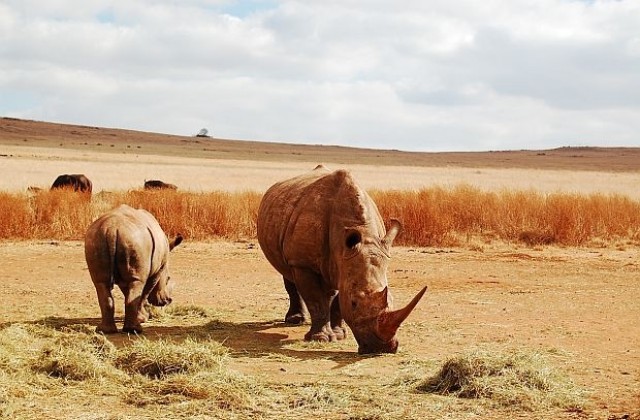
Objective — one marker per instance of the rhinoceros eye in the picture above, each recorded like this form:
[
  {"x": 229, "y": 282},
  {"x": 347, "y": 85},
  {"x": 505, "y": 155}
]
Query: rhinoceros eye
[{"x": 353, "y": 239}]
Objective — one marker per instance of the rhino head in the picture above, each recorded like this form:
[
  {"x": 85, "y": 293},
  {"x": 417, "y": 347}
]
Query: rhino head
[
  {"x": 161, "y": 293},
  {"x": 365, "y": 301}
]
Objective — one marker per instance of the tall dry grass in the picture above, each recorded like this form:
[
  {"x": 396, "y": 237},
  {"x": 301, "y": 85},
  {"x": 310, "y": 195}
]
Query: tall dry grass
[
  {"x": 443, "y": 217},
  {"x": 431, "y": 217},
  {"x": 65, "y": 215}
]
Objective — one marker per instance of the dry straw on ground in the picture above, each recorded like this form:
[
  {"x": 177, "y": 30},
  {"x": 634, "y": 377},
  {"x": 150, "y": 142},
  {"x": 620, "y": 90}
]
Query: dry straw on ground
[
  {"x": 508, "y": 379},
  {"x": 185, "y": 377}
]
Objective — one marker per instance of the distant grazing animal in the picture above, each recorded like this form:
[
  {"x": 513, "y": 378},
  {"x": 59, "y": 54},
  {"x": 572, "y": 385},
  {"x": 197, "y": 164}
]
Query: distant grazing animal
[
  {"x": 127, "y": 247},
  {"x": 154, "y": 184},
  {"x": 77, "y": 182},
  {"x": 324, "y": 234}
]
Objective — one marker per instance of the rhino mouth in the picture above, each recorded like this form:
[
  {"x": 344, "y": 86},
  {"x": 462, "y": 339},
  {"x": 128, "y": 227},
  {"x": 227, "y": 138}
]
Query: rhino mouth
[
  {"x": 159, "y": 301},
  {"x": 369, "y": 342},
  {"x": 378, "y": 347}
]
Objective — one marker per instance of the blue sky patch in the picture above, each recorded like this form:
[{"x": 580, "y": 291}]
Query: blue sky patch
[{"x": 244, "y": 8}]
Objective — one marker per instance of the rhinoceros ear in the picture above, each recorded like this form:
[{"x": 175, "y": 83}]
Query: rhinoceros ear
[
  {"x": 394, "y": 229},
  {"x": 175, "y": 242}
]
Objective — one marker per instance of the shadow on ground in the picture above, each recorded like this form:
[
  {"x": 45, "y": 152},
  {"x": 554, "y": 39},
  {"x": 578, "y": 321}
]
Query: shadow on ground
[{"x": 243, "y": 339}]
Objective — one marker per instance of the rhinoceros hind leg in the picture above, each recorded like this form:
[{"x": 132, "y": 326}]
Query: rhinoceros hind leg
[
  {"x": 295, "y": 314},
  {"x": 134, "y": 313},
  {"x": 105, "y": 300}
]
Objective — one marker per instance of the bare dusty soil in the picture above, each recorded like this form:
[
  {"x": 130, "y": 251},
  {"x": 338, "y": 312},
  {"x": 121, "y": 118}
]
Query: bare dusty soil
[{"x": 580, "y": 305}]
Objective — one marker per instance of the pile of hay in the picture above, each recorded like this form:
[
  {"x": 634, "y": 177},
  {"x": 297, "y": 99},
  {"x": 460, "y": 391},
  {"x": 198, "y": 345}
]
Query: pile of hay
[{"x": 513, "y": 379}]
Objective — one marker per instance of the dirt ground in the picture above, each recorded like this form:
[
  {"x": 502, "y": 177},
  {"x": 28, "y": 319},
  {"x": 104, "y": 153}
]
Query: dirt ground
[{"x": 580, "y": 305}]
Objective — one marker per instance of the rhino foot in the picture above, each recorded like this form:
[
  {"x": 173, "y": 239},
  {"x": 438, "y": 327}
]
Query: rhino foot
[
  {"x": 294, "y": 319},
  {"x": 132, "y": 330},
  {"x": 340, "y": 332},
  {"x": 325, "y": 335},
  {"x": 106, "y": 329},
  {"x": 319, "y": 336}
]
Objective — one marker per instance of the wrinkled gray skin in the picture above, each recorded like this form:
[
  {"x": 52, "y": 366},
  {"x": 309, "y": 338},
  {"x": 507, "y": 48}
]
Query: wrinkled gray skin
[
  {"x": 127, "y": 247},
  {"x": 325, "y": 236}
]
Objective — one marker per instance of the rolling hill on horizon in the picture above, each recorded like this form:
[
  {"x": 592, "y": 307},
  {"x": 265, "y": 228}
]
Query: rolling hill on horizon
[{"x": 29, "y": 133}]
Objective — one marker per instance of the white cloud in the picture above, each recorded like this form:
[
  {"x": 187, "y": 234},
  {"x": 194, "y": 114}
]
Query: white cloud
[{"x": 436, "y": 75}]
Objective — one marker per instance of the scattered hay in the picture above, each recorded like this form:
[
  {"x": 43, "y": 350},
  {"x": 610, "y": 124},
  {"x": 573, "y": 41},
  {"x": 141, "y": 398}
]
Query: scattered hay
[
  {"x": 188, "y": 311},
  {"x": 158, "y": 359},
  {"x": 514, "y": 379},
  {"x": 317, "y": 397},
  {"x": 227, "y": 390},
  {"x": 77, "y": 357},
  {"x": 176, "y": 311}
]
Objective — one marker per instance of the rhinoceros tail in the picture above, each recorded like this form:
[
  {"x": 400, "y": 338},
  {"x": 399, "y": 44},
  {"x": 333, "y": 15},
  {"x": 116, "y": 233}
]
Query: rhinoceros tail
[{"x": 113, "y": 252}]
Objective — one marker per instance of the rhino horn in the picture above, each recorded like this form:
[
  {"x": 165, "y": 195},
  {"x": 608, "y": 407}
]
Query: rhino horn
[
  {"x": 389, "y": 321},
  {"x": 394, "y": 229}
]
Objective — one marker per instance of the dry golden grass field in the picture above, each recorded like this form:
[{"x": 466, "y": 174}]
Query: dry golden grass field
[{"x": 506, "y": 329}]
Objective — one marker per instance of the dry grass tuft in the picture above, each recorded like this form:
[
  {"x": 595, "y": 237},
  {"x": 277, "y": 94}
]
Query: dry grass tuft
[
  {"x": 157, "y": 313},
  {"x": 316, "y": 396},
  {"x": 161, "y": 358},
  {"x": 524, "y": 380},
  {"x": 71, "y": 358},
  {"x": 226, "y": 390},
  {"x": 189, "y": 311},
  {"x": 68, "y": 355}
]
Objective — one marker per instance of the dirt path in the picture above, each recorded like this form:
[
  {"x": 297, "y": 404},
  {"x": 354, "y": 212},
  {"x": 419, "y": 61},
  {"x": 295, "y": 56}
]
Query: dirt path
[{"x": 581, "y": 305}]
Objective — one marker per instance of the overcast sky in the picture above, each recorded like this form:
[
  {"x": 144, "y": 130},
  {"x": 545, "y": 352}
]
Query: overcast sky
[{"x": 435, "y": 75}]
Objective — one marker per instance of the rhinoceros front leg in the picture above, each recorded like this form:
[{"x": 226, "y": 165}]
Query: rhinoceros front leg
[
  {"x": 336, "y": 319},
  {"x": 105, "y": 300},
  {"x": 134, "y": 314},
  {"x": 318, "y": 300},
  {"x": 295, "y": 314}
]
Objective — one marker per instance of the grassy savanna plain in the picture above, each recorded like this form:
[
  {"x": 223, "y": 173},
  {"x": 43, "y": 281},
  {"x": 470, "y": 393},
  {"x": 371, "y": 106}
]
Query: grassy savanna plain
[{"x": 531, "y": 259}]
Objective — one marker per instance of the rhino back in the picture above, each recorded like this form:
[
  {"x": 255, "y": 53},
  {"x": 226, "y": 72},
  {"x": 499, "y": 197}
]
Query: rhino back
[
  {"x": 299, "y": 217},
  {"x": 129, "y": 238}
]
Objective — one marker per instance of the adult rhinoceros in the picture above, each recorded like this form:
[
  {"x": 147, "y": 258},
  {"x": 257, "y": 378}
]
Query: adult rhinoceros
[
  {"x": 324, "y": 234},
  {"x": 76, "y": 182},
  {"x": 127, "y": 247}
]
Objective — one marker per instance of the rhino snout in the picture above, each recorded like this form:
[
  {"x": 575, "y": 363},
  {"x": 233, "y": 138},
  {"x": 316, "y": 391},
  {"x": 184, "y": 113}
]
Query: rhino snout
[
  {"x": 378, "y": 347},
  {"x": 156, "y": 300},
  {"x": 370, "y": 343}
]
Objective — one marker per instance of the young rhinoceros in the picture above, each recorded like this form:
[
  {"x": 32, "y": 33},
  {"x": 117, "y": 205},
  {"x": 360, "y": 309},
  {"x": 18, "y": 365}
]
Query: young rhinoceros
[
  {"x": 324, "y": 234},
  {"x": 127, "y": 247}
]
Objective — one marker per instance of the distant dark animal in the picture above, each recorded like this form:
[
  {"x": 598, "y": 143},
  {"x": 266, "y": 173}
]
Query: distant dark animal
[
  {"x": 324, "y": 234},
  {"x": 127, "y": 247},
  {"x": 154, "y": 184},
  {"x": 77, "y": 182}
]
